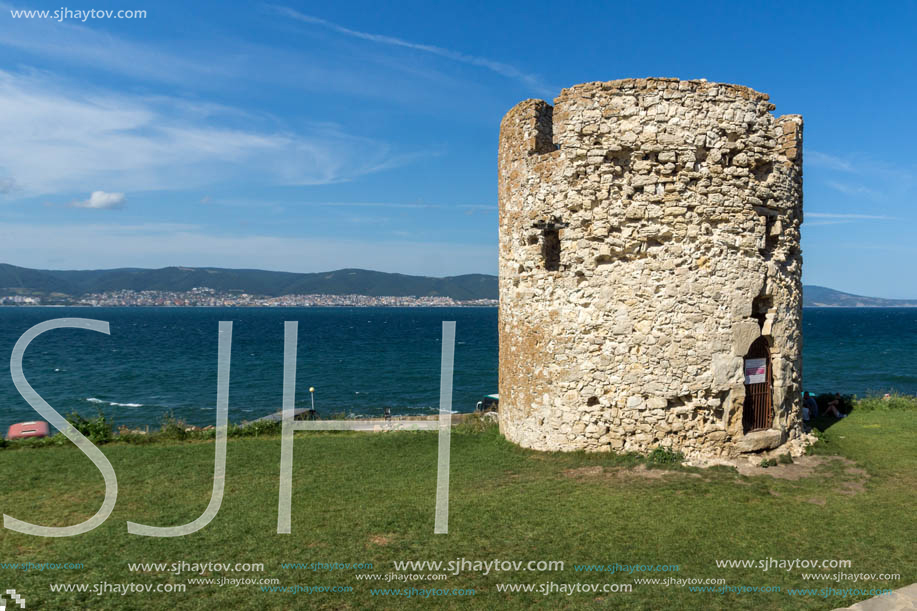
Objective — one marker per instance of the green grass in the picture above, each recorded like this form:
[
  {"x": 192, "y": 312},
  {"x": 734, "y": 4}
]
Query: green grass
[{"x": 361, "y": 497}]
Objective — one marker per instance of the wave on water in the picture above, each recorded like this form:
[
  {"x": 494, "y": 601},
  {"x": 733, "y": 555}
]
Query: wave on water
[{"x": 113, "y": 403}]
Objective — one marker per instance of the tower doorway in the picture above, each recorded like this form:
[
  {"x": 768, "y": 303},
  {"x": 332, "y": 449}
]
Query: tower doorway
[{"x": 758, "y": 410}]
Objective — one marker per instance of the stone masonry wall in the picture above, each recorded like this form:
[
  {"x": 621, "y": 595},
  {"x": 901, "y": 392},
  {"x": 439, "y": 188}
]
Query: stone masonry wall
[{"x": 649, "y": 233}]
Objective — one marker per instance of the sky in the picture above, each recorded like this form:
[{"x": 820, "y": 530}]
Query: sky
[{"x": 317, "y": 136}]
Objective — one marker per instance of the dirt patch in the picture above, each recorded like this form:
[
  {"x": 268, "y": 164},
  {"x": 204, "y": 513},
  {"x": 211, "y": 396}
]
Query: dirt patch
[
  {"x": 851, "y": 488},
  {"x": 801, "y": 467},
  {"x": 852, "y": 482},
  {"x": 624, "y": 473},
  {"x": 584, "y": 472},
  {"x": 640, "y": 472},
  {"x": 380, "y": 539}
]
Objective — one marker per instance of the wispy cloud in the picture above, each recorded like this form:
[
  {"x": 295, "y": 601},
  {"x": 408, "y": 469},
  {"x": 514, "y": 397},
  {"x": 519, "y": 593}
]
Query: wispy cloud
[
  {"x": 7, "y": 186},
  {"x": 100, "y": 200},
  {"x": 851, "y": 189},
  {"x": 858, "y": 177},
  {"x": 220, "y": 64},
  {"x": 830, "y": 218},
  {"x": 503, "y": 69},
  {"x": 83, "y": 46},
  {"x": 831, "y": 162},
  {"x": 865, "y": 167},
  {"x": 60, "y": 137}
]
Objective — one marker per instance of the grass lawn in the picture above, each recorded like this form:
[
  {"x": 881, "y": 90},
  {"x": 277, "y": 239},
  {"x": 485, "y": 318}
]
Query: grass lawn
[{"x": 369, "y": 498}]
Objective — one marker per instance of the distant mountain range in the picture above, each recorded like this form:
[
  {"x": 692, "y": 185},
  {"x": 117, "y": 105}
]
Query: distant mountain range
[
  {"x": 48, "y": 283},
  {"x": 813, "y": 296}
]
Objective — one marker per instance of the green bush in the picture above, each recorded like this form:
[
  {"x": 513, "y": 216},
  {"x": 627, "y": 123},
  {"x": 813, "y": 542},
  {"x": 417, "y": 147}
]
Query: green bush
[
  {"x": 133, "y": 436},
  {"x": 210, "y": 433},
  {"x": 665, "y": 456},
  {"x": 252, "y": 429},
  {"x": 98, "y": 430},
  {"x": 767, "y": 462},
  {"x": 172, "y": 427},
  {"x": 785, "y": 459},
  {"x": 894, "y": 401},
  {"x": 37, "y": 442},
  {"x": 476, "y": 423}
]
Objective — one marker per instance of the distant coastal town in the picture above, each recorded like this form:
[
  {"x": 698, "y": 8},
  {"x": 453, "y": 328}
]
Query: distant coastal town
[{"x": 207, "y": 297}]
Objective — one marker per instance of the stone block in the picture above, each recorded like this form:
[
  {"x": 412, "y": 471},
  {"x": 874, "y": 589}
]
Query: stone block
[
  {"x": 759, "y": 440},
  {"x": 744, "y": 332}
]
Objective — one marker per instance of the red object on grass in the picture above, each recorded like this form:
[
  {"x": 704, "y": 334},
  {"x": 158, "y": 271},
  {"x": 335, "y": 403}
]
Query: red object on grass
[{"x": 22, "y": 430}]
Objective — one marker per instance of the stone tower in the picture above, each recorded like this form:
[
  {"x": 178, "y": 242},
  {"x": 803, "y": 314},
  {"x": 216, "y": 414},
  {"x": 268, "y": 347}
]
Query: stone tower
[{"x": 650, "y": 269}]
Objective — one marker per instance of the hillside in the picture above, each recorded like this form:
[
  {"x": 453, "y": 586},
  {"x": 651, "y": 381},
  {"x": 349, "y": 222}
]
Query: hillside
[
  {"x": 256, "y": 282},
  {"x": 21, "y": 280},
  {"x": 814, "y": 296}
]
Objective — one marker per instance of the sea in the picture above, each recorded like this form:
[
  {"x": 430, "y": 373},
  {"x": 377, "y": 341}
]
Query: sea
[{"x": 163, "y": 360}]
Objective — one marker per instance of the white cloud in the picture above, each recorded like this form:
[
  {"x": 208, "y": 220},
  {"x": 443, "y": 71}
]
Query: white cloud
[
  {"x": 58, "y": 137},
  {"x": 830, "y": 162},
  {"x": 830, "y": 218},
  {"x": 221, "y": 63},
  {"x": 501, "y": 68},
  {"x": 83, "y": 46},
  {"x": 859, "y": 176},
  {"x": 100, "y": 200},
  {"x": 97, "y": 246},
  {"x": 7, "y": 186},
  {"x": 864, "y": 166},
  {"x": 850, "y": 189}
]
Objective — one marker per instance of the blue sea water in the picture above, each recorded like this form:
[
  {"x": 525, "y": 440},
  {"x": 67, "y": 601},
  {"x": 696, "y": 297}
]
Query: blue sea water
[{"x": 360, "y": 360}]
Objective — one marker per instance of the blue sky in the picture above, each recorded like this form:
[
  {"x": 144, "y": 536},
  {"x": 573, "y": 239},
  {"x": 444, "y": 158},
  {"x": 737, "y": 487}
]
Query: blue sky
[{"x": 316, "y": 136}]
